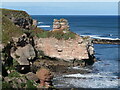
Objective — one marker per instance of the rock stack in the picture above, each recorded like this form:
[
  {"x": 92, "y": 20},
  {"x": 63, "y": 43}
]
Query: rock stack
[{"x": 61, "y": 24}]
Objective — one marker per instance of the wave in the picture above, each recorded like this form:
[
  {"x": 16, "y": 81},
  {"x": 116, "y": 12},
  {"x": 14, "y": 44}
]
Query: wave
[
  {"x": 101, "y": 83},
  {"x": 97, "y": 80},
  {"x": 79, "y": 68},
  {"x": 44, "y": 26},
  {"x": 40, "y": 22},
  {"x": 99, "y": 37},
  {"x": 90, "y": 76}
]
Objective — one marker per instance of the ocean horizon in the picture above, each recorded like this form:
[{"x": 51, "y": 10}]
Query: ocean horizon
[{"x": 96, "y": 26}]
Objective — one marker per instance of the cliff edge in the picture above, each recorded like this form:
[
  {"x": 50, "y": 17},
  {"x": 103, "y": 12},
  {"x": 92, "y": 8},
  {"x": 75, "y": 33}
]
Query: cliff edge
[{"x": 26, "y": 48}]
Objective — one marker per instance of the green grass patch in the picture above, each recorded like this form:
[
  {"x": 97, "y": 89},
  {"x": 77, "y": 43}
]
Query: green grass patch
[
  {"x": 14, "y": 13},
  {"x": 56, "y": 34},
  {"x": 30, "y": 84},
  {"x": 14, "y": 74},
  {"x": 6, "y": 85},
  {"x": 9, "y": 30}
]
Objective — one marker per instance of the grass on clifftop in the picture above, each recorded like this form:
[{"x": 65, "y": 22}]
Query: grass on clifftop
[
  {"x": 13, "y": 13},
  {"x": 56, "y": 34},
  {"x": 9, "y": 30}
]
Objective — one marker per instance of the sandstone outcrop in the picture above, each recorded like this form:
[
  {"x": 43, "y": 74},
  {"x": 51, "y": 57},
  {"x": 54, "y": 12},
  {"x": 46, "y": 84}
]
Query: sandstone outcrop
[
  {"x": 68, "y": 50},
  {"x": 61, "y": 24}
]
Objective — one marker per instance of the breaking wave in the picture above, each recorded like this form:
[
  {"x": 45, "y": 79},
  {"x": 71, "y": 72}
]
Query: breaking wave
[{"x": 43, "y": 26}]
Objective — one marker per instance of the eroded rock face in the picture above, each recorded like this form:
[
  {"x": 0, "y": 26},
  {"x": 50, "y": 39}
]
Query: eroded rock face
[
  {"x": 26, "y": 23},
  {"x": 68, "y": 50},
  {"x": 23, "y": 22},
  {"x": 61, "y": 24}
]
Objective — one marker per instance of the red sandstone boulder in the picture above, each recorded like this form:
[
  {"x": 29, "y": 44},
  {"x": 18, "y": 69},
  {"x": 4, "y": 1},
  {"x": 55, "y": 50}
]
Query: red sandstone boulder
[{"x": 45, "y": 77}]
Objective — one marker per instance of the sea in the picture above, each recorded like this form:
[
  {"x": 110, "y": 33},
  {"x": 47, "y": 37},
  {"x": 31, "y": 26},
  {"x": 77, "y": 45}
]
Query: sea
[{"x": 105, "y": 72}]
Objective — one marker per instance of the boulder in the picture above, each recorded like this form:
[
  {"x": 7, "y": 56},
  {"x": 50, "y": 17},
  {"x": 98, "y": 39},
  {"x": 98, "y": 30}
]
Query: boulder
[
  {"x": 23, "y": 54},
  {"x": 45, "y": 77},
  {"x": 31, "y": 76}
]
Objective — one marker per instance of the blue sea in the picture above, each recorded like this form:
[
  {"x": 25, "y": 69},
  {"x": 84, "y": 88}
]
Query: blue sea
[{"x": 104, "y": 73}]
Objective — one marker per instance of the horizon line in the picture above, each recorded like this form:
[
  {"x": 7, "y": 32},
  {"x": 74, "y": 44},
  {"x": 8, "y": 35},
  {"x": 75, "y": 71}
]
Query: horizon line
[{"x": 74, "y": 15}]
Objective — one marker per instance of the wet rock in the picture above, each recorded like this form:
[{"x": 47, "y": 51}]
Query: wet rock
[{"x": 118, "y": 77}]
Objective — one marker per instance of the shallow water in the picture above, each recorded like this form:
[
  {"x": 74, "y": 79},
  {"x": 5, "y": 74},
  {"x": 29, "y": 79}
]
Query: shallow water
[{"x": 103, "y": 74}]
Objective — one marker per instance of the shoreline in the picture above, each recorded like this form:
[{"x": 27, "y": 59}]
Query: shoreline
[{"x": 106, "y": 41}]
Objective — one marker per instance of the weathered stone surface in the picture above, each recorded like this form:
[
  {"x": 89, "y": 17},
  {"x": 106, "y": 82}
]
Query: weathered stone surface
[
  {"x": 23, "y": 54},
  {"x": 20, "y": 41},
  {"x": 61, "y": 24},
  {"x": 32, "y": 76},
  {"x": 7, "y": 79},
  {"x": 35, "y": 23},
  {"x": 25, "y": 23},
  {"x": 71, "y": 49},
  {"x": 45, "y": 77}
]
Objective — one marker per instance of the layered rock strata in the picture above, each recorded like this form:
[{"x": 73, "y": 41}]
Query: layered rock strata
[{"x": 61, "y": 24}]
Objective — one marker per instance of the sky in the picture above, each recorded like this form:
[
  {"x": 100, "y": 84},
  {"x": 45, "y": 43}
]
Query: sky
[
  {"x": 60, "y": 0},
  {"x": 64, "y": 8}
]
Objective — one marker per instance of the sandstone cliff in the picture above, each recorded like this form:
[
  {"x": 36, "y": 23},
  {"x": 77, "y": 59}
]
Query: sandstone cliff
[{"x": 25, "y": 48}]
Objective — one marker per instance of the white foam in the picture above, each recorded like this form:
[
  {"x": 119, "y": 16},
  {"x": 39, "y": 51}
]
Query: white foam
[
  {"x": 98, "y": 37},
  {"x": 80, "y": 68},
  {"x": 40, "y": 22},
  {"x": 89, "y": 76},
  {"x": 93, "y": 80},
  {"x": 101, "y": 83},
  {"x": 43, "y": 26}
]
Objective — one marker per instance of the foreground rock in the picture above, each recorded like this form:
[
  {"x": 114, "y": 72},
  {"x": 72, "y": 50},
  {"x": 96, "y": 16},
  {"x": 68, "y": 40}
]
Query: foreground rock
[
  {"x": 24, "y": 54},
  {"x": 45, "y": 77}
]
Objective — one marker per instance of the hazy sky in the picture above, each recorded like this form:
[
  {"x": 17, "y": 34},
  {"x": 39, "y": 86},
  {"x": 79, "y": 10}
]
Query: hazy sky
[
  {"x": 65, "y": 8},
  {"x": 60, "y": 0}
]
